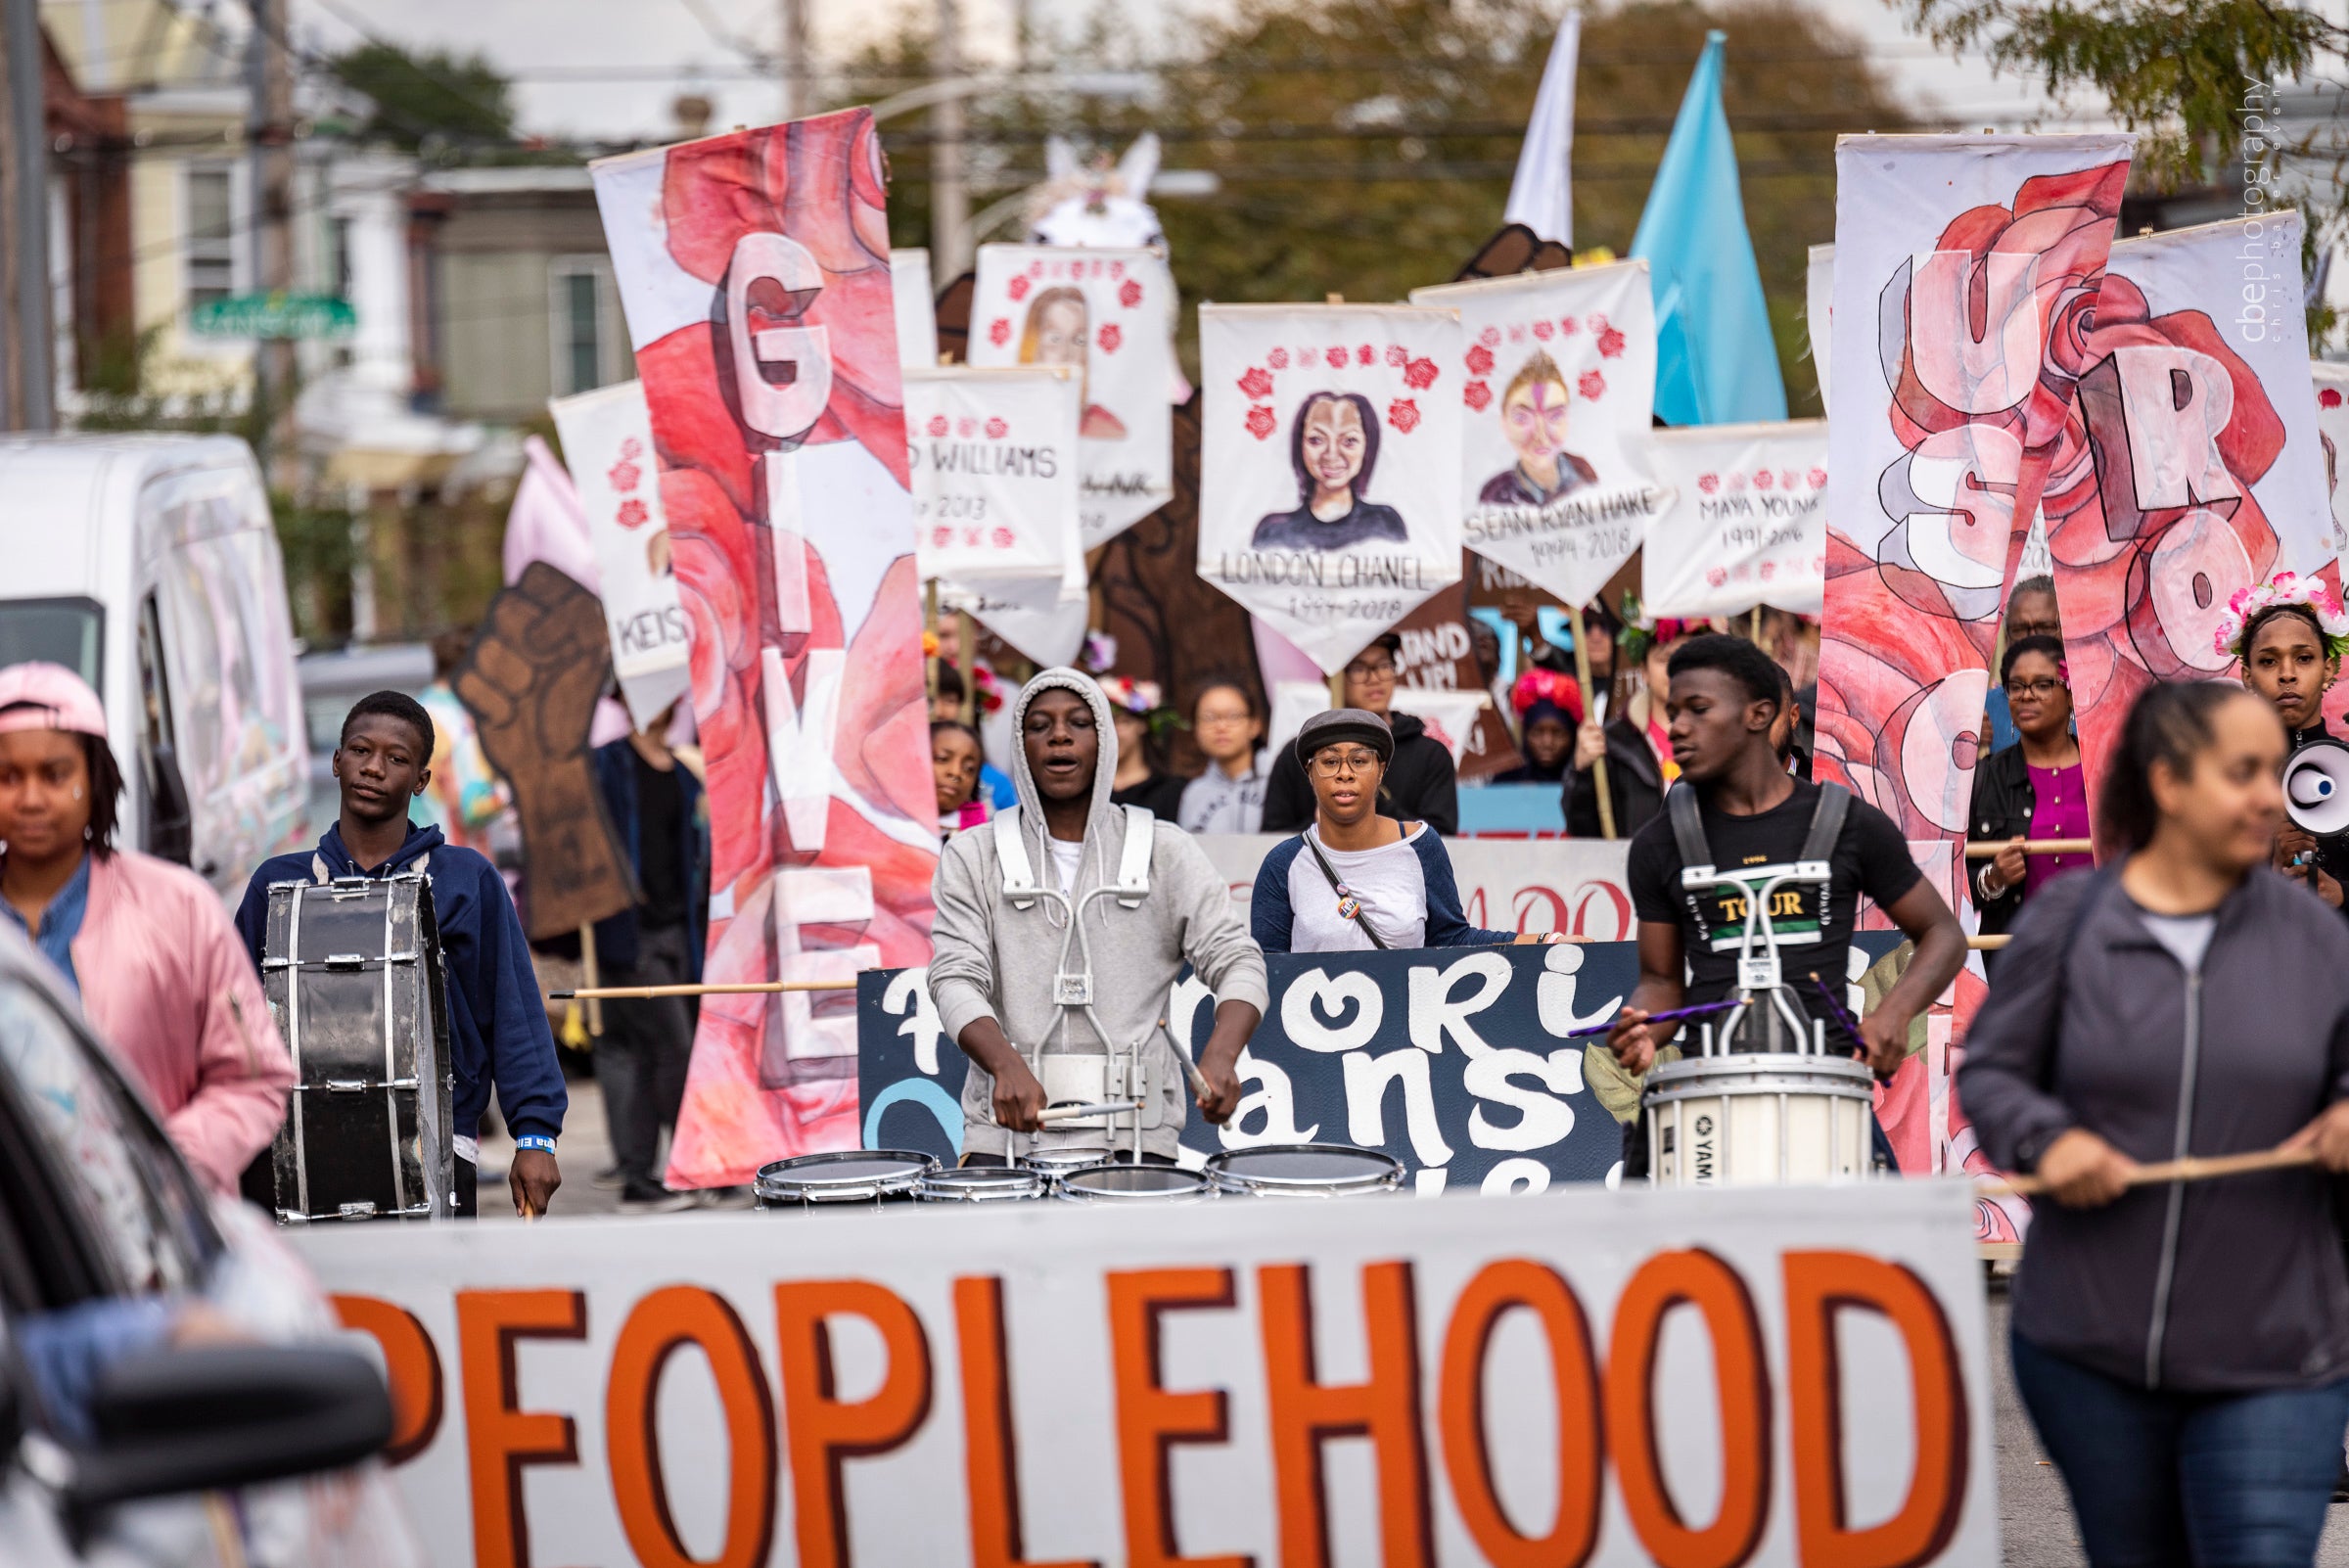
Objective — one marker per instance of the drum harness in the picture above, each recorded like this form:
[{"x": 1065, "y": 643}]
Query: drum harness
[
  {"x": 1759, "y": 972},
  {"x": 1082, "y": 1078}
]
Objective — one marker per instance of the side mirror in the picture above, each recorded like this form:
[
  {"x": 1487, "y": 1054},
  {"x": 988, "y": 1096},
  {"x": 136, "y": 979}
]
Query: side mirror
[{"x": 216, "y": 1417}]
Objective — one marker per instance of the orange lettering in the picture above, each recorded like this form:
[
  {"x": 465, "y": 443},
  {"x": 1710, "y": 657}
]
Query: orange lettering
[
  {"x": 1304, "y": 1414},
  {"x": 1698, "y": 1279},
  {"x": 662, "y": 1325},
  {"x": 990, "y": 1444},
  {"x": 822, "y": 1429},
  {"x": 1499, "y": 1288},
  {"x": 1818, "y": 1285},
  {"x": 1151, "y": 1419},
  {"x": 500, "y": 1439},
  {"x": 410, "y": 1363}
]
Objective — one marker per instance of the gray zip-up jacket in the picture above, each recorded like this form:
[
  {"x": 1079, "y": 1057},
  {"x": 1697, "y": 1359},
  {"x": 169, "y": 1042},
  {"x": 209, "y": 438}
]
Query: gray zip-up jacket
[
  {"x": 2220, "y": 1286},
  {"x": 991, "y": 959}
]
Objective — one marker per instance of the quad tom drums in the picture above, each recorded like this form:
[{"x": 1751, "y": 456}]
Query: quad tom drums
[
  {"x": 1303, "y": 1171},
  {"x": 871, "y": 1178},
  {"x": 1160, "y": 1185},
  {"x": 984, "y": 1183}
]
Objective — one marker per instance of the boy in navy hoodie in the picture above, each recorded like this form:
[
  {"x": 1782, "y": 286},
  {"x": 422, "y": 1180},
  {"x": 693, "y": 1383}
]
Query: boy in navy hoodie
[{"x": 497, "y": 1025}]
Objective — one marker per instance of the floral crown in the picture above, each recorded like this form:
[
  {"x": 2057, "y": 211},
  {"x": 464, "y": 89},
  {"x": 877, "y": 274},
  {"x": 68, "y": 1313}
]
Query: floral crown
[
  {"x": 1539, "y": 685},
  {"x": 2285, "y": 588}
]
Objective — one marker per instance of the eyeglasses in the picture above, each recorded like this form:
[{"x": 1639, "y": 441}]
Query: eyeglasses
[
  {"x": 1329, "y": 764},
  {"x": 1207, "y": 719},
  {"x": 2044, "y": 687},
  {"x": 1359, "y": 670},
  {"x": 2017, "y": 630}
]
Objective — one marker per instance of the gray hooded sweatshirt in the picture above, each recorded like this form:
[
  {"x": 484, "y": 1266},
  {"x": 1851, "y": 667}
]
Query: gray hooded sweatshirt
[{"x": 992, "y": 960}]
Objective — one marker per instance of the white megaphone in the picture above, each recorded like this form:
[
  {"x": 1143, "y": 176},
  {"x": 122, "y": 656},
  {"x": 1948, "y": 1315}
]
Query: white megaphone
[{"x": 2315, "y": 788}]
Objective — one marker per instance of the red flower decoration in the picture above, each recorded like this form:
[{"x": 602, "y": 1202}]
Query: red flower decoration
[
  {"x": 940, "y": 538},
  {"x": 1476, "y": 395},
  {"x": 1596, "y": 322},
  {"x": 1277, "y": 358},
  {"x": 1397, "y": 355},
  {"x": 2330, "y": 397},
  {"x": 632, "y": 514},
  {"x": 1543, "y": 330},
  {"x": 939, "y": 424},
  {"x": 1716, "y": 576},
  {"x": 1117, "y": 269},
  {"x": 996, "y": 430},
  {"x": 1591, "y": 385},
  {"x": 631, "y": 449},
  {"x": 1035, "y": 269},
  {"x": 966, "y": 427},
  {"x": 1736, "y": 483},
  {"x": 1366, "y": 355},
  {"x": 1770, "y": 569},
  {"x": 1818, "y": 479},
  {"x": 1130, "y": 293},
  {"x": 623, "y": 475},
  {"x": 1763, "y": 479},
  {"x": 1419, "y": 374},
  {"x": 1709, "y": 484},
  {"x": 1336, "y": 359},
  {"x": 1489, "y": 336},
  {"x": 1568, "y": 326},
  {"x": 1479, "y": 360},
  {"x": 1002, "y": 539},
  {"x": 1610, "y": 343},
  {"x": 998, "y": 332},
  {"x": 1261, "y": 421},
  {"x": 1516, "y": 332},
  {"x": 1017, "y": 287},
  {"x": 1404, "y": 414},
  {"x": 1789, "y": 479},
  {"x": 1109, "y": 337},
  {"x": 1258, "y": 382}
]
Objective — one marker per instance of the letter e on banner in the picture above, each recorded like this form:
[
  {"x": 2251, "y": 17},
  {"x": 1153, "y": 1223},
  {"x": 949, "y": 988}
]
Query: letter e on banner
[
  {"x": 824, "y": 1431},
  {"x": 1152, "y": 1418},
  {"x": 1693, "y": 1278},
  {"x": 663, "y": 1323},
  {"x": 502, "y": 1438},
  {"x": 1820, "y": 1286},
  {"x": 411, "y": 1364}
]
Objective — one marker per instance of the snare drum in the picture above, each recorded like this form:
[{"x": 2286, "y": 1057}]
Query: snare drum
[
  {"x": 984, "y": 1183},
  {"x": 1303, "y": 1171},
  {"x": 1061, "y": 1159},
  {"x": 1758, "y": 1120},
  {"x": 1164, "y": 1184},
  {"x": 870, "y": 1176}
]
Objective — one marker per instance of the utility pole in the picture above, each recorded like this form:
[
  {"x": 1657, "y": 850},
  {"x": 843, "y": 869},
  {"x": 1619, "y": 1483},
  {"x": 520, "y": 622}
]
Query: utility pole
[
  {"x": 950, "y": 197},
  {"x": 798, "y": 100},
  {"x": 269, "y": 77},
  {"x": 30, "y": 401}
]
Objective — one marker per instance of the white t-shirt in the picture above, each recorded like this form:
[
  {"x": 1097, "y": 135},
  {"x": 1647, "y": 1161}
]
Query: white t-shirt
[
  {"x": 1067, "y": 858},
  {"x": 1390, "y": 881}
]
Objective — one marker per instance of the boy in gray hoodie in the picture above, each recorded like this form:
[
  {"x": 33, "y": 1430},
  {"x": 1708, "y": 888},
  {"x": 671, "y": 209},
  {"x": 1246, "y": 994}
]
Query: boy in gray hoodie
[{"x": 1029, "y": 998}]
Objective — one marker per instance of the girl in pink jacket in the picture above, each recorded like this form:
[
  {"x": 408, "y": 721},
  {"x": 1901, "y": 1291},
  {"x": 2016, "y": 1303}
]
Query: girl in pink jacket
[{"x": 163, "y": 978}]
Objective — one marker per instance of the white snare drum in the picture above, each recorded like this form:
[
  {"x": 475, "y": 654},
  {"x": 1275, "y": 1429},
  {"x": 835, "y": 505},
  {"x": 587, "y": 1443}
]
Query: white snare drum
[
  {"x": 1060, "y": 1159},
  {"x": 869, "y": 1176},
  {"x": 1758, "y": 1120},
  {"x": 1161, "y": 1184},
  {"x": 1303, "y": 1171},
  {"x": 984, "y": 1183}
]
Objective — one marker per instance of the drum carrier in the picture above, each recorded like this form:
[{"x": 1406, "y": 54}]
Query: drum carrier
[
  {"x": 1764, "y": 1101},
  {"x": 353, "y": 971}
]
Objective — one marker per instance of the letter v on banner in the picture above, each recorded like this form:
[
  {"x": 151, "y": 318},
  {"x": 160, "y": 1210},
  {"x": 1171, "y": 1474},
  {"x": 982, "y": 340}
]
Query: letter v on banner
[{"x": 798, "y": 740}]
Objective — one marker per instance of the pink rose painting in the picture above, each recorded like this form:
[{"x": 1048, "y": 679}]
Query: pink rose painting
[
  {"x": 1419, "y": 374},
  {"x": 1402, "y": 415},
  {"x": 1130, "y": 293},
  {"x": 1262, "y": 421},
  {"x": 1477, "y": 396},
  {"x": 1257, "y": 384},
  {"x": 1479, "y": 360}
]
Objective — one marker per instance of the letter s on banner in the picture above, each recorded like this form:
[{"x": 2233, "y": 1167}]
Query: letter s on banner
[
  {"x": 823, "y": 1431},
  {"x": 1818, "y": 1285},
  {"x": 663, "y": 1322}
]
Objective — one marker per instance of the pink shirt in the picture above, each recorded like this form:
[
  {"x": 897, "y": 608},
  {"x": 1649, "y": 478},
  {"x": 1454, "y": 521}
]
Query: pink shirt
[{"x": 2059, "y": 810}]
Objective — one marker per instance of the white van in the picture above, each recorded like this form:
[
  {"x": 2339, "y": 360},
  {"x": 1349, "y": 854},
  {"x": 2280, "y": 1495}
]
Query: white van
[{"x": 150, "y": 565}]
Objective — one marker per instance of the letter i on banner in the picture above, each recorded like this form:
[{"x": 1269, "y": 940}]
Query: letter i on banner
[
  {"x": 755, "y": 271},
  {"x": 1965, "y": 271}
]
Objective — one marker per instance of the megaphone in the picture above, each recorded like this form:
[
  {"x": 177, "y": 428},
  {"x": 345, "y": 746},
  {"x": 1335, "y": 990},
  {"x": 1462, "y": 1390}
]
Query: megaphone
[{"x": 2315, "y": 788}]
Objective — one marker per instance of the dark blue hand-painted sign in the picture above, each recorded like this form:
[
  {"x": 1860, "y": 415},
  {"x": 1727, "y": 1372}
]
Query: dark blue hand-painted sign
[{"x": 1455, "y": 1061}]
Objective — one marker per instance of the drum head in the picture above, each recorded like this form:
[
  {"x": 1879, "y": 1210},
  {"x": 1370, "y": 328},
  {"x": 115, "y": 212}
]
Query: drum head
[
  {"x": 982, "y": 1183},
  {"x": 1304, "y": 1169},
  {"x": 848, "y": 1175},
  {"x": 1066, "y": 1157},
  {"x": 1134, "y": 1183}
]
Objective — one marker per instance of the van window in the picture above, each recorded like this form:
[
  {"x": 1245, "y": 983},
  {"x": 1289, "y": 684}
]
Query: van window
[{"x": 63, "y": 631}]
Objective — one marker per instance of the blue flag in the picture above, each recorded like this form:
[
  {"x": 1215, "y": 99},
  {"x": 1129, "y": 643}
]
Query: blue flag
[{"x": 1715, "y": 362}]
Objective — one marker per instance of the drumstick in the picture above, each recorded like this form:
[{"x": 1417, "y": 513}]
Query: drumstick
[
  {"x": 1992, "y": 849},
  {"x": 1070, "y": 1112},
  {"x": 1190, "y": 1068},
  {"x": 2191, "y": 1169},
  {"x": 1655, "y": 1018},
  {"x": 643, "y": 992}
]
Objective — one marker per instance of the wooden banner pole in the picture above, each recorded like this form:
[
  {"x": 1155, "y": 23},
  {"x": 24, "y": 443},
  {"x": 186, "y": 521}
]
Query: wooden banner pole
[
  {"x": 966, "y": 644},
  {"x": 930, "y": 625},
  {"x": 590, "y": 992},
  {"x": 1598, "y": 766}
]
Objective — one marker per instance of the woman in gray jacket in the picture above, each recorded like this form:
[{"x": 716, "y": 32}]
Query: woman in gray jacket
[{"x": 2184, "y": 1351}]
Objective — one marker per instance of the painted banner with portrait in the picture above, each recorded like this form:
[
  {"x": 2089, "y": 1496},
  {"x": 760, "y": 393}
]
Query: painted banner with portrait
[
  {"x": 2195, "y": 470},
  {"x": 1558, "y": 381},
  {"x": 1747, "y": 523},
  {"x": 1329, "y": 501},
  {"x": 607, "y": 448},
  {"x": 755, "y": 271},
  {"x": 1965, "y": 275},
  {"x": 1107, "y": 315},
  {"x": 992, "y": 457}
]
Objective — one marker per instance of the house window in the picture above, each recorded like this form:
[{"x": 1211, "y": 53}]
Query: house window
[
  {"x": 211, "y": 237},
  {"x": 589, "y": 352}
]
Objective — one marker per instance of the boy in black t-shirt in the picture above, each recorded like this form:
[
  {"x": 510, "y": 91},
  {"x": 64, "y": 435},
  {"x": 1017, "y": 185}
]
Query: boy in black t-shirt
[{"x": 1725, "y": 698}]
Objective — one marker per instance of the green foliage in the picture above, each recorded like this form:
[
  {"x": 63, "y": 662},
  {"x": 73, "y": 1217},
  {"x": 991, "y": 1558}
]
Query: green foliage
[{"x": 420, "y": 94}]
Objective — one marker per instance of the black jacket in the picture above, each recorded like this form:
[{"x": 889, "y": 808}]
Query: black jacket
[
  {"x": 1634, "y": 783},
  {"x": 2003, "y": 802},
  {"x": 2091, "y": 1023},
  {"x": 1421, "y": 785}
]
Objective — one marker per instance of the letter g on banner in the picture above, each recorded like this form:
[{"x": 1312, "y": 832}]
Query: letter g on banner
[
  {"x": 1301, "y": 1018},
  {"x": 783, "y": 372}
]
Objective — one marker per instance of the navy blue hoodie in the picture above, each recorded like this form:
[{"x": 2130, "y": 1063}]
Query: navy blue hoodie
[{"x": 497, "y": 1025}]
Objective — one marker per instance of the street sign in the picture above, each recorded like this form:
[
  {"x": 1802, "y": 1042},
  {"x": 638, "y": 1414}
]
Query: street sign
[{"x": 274, "y": 315}]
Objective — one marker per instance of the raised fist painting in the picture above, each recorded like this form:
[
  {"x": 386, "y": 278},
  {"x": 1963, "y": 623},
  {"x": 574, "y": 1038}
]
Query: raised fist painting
[{"x": 530, "y": 683}]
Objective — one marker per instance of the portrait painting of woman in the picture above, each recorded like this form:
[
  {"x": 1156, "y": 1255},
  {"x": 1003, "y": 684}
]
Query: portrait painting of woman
[
  {"x": 1533, "y": 418},
  {"x": 1334, "y": 446},
  {"x": 1056, "y": 333}
]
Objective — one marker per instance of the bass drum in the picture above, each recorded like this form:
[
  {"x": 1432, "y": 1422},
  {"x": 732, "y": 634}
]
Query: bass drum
[
  {"x": 1303, "y": 1171},
  {"x": 869, "y": 1178},
  {"x": 1756, "y": 1119}
]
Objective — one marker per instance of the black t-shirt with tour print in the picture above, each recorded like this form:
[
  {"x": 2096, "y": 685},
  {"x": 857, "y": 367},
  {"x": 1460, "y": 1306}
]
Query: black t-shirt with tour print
[{"x": 1870, "y": 859}]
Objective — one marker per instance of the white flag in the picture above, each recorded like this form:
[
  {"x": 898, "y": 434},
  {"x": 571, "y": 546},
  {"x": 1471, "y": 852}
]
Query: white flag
[
  {"x": 1541, "y": 195},
  {"x": 1747, "y": 525}
]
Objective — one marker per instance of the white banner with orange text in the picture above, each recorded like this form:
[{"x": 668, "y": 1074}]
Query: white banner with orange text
[{"x": 1762, "y": 1376}]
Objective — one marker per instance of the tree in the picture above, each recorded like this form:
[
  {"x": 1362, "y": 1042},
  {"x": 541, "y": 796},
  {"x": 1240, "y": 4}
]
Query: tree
[{"x": 427, "y": 94}]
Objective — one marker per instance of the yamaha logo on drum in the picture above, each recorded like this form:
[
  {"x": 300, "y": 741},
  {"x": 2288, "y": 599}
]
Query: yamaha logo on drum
[{"x": 1700, "y": 1150}]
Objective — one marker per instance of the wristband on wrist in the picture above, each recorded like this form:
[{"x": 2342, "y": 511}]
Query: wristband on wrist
[{"x": 536, "y": 1140}]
